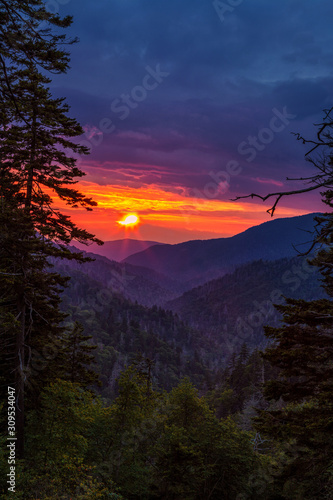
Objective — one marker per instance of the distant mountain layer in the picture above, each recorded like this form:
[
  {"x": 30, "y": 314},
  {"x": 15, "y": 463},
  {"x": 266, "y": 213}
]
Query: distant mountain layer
[
  {"x": 119, "y": 249},
  {"x": 199, "y": 261},
  {"x": 135, "y": 283}
]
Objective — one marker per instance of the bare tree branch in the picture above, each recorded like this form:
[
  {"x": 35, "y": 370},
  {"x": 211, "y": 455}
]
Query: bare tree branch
[
  {"x": 281, "y": 194},
  {"x": 324, "y": 164}
]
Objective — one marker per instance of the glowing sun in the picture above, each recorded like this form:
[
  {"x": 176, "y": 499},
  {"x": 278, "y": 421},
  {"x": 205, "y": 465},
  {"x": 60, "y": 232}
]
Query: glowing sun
[{"x": 130, "y": 220}]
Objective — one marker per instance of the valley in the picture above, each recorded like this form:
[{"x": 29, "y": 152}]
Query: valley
[{"x": 130, "y": 309}]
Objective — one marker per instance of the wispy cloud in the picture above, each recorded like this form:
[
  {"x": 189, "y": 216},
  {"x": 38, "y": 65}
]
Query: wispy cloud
[{"x": 268, "y": 181}]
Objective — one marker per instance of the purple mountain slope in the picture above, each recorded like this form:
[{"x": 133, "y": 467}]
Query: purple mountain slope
[
  {"x": 201, "y": 260},
  {"x": 118, "y": 250}
]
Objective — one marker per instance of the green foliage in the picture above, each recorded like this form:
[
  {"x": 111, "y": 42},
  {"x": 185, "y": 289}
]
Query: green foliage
[
  {"x": 169, "y": 445},
  {"x": 124, "y": 433},
  {"x": 146, "y": 444},
  {"x": 58, "y": 427},
  {"x": 238, "y": 388},
  {"x": 59, "y": 435},
  {"x": 199, "y": 456}
]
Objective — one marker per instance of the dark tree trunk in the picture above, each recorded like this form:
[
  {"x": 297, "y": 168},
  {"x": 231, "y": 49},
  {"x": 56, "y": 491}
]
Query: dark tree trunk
[{"x": 19, "y": 375}]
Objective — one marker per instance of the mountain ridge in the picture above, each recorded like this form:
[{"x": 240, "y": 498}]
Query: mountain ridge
[
  {"x": 198, "y": 261},
  {"x": 118, "y": 250},
  {"x": 135, "y": 283}
]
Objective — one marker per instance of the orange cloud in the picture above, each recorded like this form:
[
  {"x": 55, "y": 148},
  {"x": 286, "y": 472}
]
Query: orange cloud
[{"x": 159, "y": 209}]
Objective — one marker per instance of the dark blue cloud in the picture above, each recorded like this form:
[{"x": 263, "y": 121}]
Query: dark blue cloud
[{"x": 225, "y": 79}]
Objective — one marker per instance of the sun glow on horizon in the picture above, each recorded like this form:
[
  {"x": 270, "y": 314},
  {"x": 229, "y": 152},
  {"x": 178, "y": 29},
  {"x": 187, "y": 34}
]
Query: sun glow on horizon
[
  {"x": 130, "y": 220},
  {"x": 164, "y": 216}
]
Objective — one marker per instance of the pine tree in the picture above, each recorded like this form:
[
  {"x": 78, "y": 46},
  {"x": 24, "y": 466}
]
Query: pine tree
[
  {"x": 34, "y": 150},
  {"x": 303, "y": 350},
  {"x": 27, "y": 34},
  {"x": 77, "y": 358},
  {"x": 35, "y": 164}
]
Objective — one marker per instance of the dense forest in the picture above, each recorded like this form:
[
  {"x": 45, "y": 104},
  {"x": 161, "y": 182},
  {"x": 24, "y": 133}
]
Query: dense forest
[{"x": 130, "y": 389}]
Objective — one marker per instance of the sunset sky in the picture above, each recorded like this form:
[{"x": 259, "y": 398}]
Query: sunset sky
[{"x": 186, "y": 105}]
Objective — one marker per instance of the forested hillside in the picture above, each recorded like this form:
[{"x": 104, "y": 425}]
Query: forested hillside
[
  {"x": 135, "y": 283},
  {"x": 235, "y": 308},
  {"x": 124, "y": 330},
  {"x": 218, "y": 316},
  {"x": 212, "y": 323}
]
